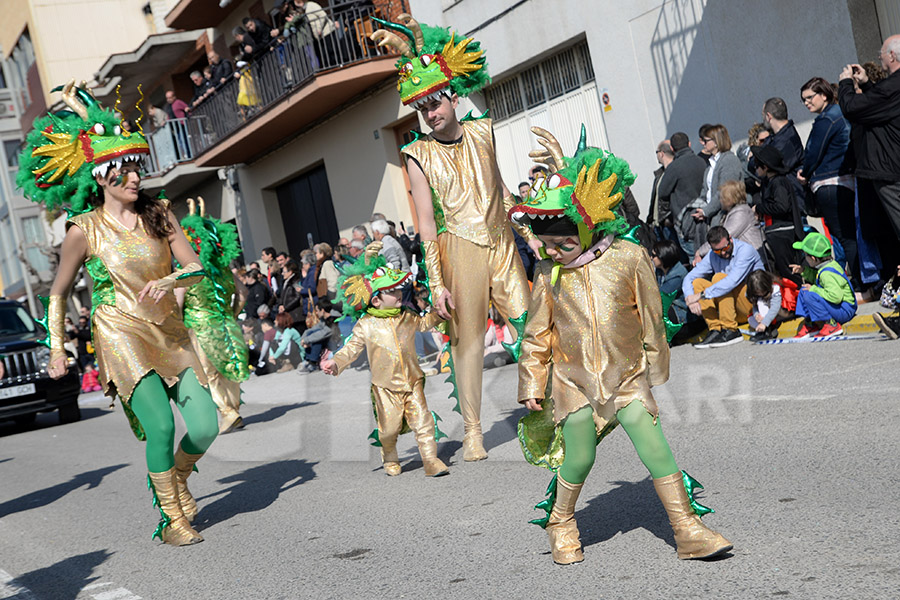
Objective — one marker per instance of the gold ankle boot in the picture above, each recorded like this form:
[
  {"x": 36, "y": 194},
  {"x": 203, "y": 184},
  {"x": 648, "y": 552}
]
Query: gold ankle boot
[
  {"x": 434, "y": 467},
  {"x": 473, "y": 446},
  {"x": 230, "y": 421},
  {"x": 184, "y": 466},
  {"x": 392, "y": 469},
  {"x": 178, "y": 532},
  {"x": 562, "y": 529},
  {"x": 693, "y": 539}
]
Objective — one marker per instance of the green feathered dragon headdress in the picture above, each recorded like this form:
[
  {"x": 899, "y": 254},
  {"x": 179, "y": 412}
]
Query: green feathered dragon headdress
[
  {"x": 364, "y": 279},
  {"x": 432, "y": 60},
  {"x": 585, "y": 189},
  {"x": 65, "y": 150}
]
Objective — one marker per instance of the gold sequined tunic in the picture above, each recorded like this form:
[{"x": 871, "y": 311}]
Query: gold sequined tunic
[
  {"x": 601, "y": 327},
  {"x": 130, "y": 338}
]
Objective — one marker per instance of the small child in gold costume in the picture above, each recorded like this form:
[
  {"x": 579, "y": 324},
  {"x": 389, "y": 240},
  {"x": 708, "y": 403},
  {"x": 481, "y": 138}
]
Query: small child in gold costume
[
  {"x": 387, "y": 332},
  {"x": 596, "y": 329}
]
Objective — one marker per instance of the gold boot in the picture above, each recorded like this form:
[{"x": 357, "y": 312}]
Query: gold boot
[
  {"x": 473, "y": 445},
  {"x": 184, "y": 466},
  {"x": 392, "y": 469},
  {"x": 562, "y": 529},
  {"x": 231, "y": 420},
  {"x": 693, "y": 539},
  {"x": 178, "y": 532},
  {"x": 434, "y": 467}
]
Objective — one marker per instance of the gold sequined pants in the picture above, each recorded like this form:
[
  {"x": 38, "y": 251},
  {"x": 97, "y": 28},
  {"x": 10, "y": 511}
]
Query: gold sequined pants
[
  {"x": 225, "y": 393},
  {"x": 476, "y": 275},
  {"x": 390, "y": 407}
]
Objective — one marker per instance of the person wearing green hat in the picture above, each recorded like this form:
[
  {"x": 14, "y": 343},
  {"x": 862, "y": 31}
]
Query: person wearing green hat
[{"x": 826, "y": 299}]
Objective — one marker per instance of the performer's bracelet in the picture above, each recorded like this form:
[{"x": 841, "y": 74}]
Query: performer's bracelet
[{"x": 56, "y": 326}]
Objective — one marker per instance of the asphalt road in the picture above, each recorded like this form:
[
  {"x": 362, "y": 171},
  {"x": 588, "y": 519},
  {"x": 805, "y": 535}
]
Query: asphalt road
[{"x": 796, "y": 444}]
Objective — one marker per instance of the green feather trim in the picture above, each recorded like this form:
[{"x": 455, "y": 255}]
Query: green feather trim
[{"x": 435, "y": 38}]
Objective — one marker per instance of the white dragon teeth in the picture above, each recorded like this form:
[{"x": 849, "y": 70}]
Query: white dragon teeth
[{"x": 417, "y": 104}]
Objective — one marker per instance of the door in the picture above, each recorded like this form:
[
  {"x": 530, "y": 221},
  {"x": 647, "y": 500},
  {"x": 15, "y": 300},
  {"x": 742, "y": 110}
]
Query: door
[{"x": 306, "y": 211}]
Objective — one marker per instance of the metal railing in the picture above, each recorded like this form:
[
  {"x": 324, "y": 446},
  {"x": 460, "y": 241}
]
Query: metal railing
[
  {"x": 289, "y": 63},
  {"x": 178, "y": 141}
]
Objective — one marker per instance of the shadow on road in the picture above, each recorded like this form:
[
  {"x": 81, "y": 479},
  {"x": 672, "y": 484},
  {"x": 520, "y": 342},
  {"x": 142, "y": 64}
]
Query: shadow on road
[
  {"x": 504, "y": 430},
  {"x": 275, "y": 412},
  {"x": 46, "y": 419},
  {"x": 50, "y": 495},
  {"x": 254, "y": 489},
  {"x": 63, "y": 579},
  {"x": 629, "y": 505}
]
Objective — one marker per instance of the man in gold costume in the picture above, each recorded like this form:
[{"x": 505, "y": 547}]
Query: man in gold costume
[{"x": 461, "y": 202}]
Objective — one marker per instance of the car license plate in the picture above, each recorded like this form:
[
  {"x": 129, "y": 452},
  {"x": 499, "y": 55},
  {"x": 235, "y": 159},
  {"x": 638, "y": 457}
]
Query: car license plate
[{"x": 17, "y": 390}]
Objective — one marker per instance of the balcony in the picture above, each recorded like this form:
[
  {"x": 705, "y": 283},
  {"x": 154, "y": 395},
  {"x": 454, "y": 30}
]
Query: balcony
[
  {"x": 291, "y": 85},
  {"x": 173, "y": 148},
  {"x": 198, "y": 14}
]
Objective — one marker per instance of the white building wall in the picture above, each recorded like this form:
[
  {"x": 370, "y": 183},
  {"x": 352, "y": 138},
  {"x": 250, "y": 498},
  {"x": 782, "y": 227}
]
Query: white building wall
[
  {"x": 364, "y": 174},
  {"x": 668, "y": 66}
]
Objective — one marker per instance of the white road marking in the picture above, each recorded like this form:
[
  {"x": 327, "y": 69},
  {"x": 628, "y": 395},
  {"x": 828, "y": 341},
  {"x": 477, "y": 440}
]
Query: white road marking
[{"x": 10, "y": 590}]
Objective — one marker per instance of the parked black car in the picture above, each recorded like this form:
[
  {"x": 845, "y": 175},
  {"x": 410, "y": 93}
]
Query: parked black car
[{"x": 25, "y": 387}]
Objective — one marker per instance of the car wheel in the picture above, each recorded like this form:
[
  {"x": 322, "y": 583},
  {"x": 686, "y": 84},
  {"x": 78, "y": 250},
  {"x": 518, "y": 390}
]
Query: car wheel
[
  {"x": 25, "y": 419},
  {"x": 69, "y": 413}
]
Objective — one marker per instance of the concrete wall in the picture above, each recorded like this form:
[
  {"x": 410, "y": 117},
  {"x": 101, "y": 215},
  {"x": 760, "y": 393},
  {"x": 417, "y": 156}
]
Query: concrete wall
[
  {"x": 364, "y": 174},
  {"x": 668, "y": 66}
]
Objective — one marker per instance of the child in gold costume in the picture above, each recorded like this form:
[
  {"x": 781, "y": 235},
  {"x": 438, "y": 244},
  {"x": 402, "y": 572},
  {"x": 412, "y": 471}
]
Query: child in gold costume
[
  {"x": 126, "y": 240},
  {"x": 596, "y": 329},
  {"x": 460, "y": 201},
  {"x": 387, "y": 332}
]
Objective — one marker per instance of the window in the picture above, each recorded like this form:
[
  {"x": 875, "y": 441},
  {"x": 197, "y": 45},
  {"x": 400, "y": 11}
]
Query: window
[
  {"x": 11, "y": 147},
  {"x": 551, "y": 78},
  {"x": 33, "y": 232},
  {"x": 10, "y": 270}
]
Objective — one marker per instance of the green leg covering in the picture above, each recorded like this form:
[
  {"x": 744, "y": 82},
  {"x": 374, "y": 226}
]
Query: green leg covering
[
  {"x": 150, "y": 403},
  {"x": 580, "y": 436},
  {"x": 648, "y": 440},
  {"x": 199, "y": 413}
]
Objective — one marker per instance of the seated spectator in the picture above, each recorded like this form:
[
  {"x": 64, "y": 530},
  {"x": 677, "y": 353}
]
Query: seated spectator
[
  {"x": 670, "y": 274},
  {"x": 325, "y": 335},
  {"x": 263, "y": 312},
  {"x": 253, "y": 337},
  {"x": 290, "y": 301},
  {"x": 362, "y": 234},
  {"x": 326, "y": 273},
  {"x": 738, "y": 218},
  {"x": 287, "y": 354},
  {"x": 826, "y": 299},
  {"x": 716, "y": 288},
  {"x": 391, "y": 249},
  {"x": 257, "y": 293},
  {"x": 497, "y": 334},
  {"x": 779, "y": 209},
  {"x": 764, "y": 294},
  {"x": 268, "y": 344}
]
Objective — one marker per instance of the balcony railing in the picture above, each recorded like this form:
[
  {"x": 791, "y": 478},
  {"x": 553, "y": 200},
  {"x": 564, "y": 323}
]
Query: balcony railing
[
  {"x": 178, "y": 141},
  {"x": 288, "y": 64}
]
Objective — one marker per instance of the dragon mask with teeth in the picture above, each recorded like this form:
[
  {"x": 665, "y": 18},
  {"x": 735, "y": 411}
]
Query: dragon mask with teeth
[
  {"x": 67, "y": 149},
  {"x": 433, "y": 61},
  {"x": 585, "y": 190}
]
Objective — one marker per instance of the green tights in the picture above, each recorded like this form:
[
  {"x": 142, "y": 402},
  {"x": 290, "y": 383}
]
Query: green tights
[
  {"x": 150, "y": 402},
  {"x": 580, "y": 437}
]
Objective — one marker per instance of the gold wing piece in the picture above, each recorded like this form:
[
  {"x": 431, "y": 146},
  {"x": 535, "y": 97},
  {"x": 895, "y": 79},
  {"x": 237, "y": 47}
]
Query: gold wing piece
[
  {"x": 458, "y": 60},
  {"x": 65, "y": 153},
  {"x": 592, "y": 197},
  {"x": 356, "y": 291}
]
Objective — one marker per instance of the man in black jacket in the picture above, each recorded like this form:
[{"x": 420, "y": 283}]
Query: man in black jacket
[
  {"x": 679, "y": 186},
  {"x": 222, "y": 70},
  {"x": 876, "y": 111},
  {"x": 659, "y": 216}
]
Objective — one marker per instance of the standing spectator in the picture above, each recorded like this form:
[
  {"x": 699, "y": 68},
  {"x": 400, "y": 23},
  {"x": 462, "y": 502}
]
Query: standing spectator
[
  {"x": 724, "y": 166},
  {"x": 679, "y": 186},
  {"x": 876, "y": 113},
  {"x": 779, "y": 209},
  {"x": 391, "y": 250},
  {"x": 524, "y": 190},
  {"x": 201, "y": 88},
  {"x": 324, "y": 335},
  {"x": 259, "y": 31},
  {"x": 325, "y": 33},
  {"x": 175, "y": 108},
  {"x": 362, "y": 234},
  {"x": 290, "y": 301},
  {"x": 738, "y": 218},
  {"x": 716, "y": 288},
  {"x": 659, "y": 217},
  {"x": 826, "y": 171},
  {"x": 306, "y": 285},
  {"x": 157, "y": 116},
  {"x": 326, "y": 273},
  {"x": 222, "y": 70},
  {"x": 702, "y": 133},
  {"x": 670, "y": 274},
  {"x": 786, "y": 139},
  {"x": 246, "y": 46},
  {"x": 85, "y": 347},
  {"x": 257, "y": 293},
  {"x": 273, "y": 271},
  {"x": 356, "y": 248}
]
